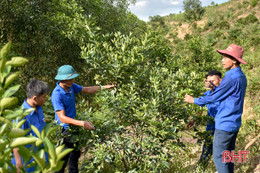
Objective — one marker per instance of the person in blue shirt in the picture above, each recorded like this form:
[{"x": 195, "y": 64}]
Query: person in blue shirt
[
  {"x": 36, "y": 92},
  {"x": 63, "y": 101},
  {"x": 230, "y": 94},
  {"x": 212, "y": 81}
]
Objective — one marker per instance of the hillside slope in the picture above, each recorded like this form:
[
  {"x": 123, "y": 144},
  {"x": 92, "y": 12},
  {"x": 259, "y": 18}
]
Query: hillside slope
[{"x": 238, "y": 22}]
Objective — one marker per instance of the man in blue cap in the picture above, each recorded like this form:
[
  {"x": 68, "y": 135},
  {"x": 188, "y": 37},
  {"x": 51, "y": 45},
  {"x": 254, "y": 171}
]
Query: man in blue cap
[{"x": 63, "y": 101}]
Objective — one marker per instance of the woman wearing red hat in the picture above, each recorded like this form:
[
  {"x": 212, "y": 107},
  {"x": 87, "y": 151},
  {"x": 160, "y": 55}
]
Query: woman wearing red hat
[{"x": 230, "y": 94}]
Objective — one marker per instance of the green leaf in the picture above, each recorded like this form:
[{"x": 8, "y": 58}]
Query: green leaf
[
  {"x": 48, "y": 126},
  {"x": 50, "y": 147},
  {"x": 36, "y": 131},
  {"x": 11, "y": 78},
  {"x": 64, "y": 153},
  {"x": 38, "y": 142},
  {"x": 2, "y": 91},
  {"x": 17, "y": 132},
  {"x": 3, "y": 129},
  {"x": 52, "y": 130},
  {"x": 2, "y": 64},
  {"x": 39, "y": 161},
  {"x": 43, "y": 134},
  {"x": 23, "y": 141},
  {"x": 58, "y": 166},
  {"x": 25, "y": 153},
  {"x": 19, "y": 113},
  {"x": 6, "y": 71},
  {"x": 17, "y": 61},
  {"x": 59, "y": 149},
  {"x": 20, "y": 123},
  {"x": 3, "y": 145},
  {"x": 5, "y": 50},
  {"x": 11, "y": 91},
  {"x": 7, "y": 102},
  {"x": 6, "y": 121}
]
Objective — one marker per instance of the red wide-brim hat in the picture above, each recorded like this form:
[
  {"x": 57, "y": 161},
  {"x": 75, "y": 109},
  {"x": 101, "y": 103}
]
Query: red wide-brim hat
[{"x": 234, "y": 51}]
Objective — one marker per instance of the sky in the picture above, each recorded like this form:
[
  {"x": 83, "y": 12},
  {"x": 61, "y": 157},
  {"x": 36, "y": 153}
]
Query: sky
[{"x": 145, "y": 8}]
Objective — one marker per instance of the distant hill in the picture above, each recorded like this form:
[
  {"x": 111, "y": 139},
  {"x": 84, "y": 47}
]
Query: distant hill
[{"x": 230, "y": 21}]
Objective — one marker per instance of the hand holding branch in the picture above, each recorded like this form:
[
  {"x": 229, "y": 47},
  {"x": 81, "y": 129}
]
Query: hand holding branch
[
  {"x": 189, "y": 99},
  {"x": 191, "y": 123},
  {"x": 88, "y": 125},
  {"x": 109, "y": 86}
]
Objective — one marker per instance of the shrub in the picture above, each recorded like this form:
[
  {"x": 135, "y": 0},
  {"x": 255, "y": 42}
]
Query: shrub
[
  {"x": 11, "y": 135},
  {"x": 246, "y": 3},
  {"x": 187, "y": 36},
  {"x": 234, "y": 33},
  {"x": 251, "y": 18},
  {"x": 240, "y": 6},
  {"x": 223, "y": 25},
  {"x": 211, "y": 39},
  {"x": 208, "y": 25},
  {"x": 254, "y": 3},
  {"x": 137, "y": 123}
]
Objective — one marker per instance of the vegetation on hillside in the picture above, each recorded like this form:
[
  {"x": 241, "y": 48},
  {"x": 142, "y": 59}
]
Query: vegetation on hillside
[
  {"x": 141, "y": 124},
  {"x": 236, "y": 21}
]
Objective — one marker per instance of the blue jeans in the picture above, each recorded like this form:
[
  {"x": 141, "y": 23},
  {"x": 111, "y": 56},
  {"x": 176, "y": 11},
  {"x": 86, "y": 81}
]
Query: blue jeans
[{"x": 222, "y": 141}]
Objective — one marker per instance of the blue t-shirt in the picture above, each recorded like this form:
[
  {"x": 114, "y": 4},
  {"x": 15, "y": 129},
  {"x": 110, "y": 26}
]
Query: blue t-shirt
[
  {"x": 63, "y": 100},
  {"x": 38, "y": 120},
  {"x": 212, "y": 111},
  {"x": 230, "y": 94}
]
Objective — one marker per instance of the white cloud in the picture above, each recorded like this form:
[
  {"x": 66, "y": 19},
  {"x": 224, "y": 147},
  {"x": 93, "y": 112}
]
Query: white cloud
[
  {"x": 145, "y": 8},
  {"x": 174, "y": 2},
  {"x": 141, "y": 3}
]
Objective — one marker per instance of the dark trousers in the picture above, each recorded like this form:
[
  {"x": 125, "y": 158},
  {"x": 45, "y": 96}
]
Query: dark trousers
[
  {"x": 73, "y": 157},
  {"x": 223, "y": 141},
  {"x": 207, "y": 151}
]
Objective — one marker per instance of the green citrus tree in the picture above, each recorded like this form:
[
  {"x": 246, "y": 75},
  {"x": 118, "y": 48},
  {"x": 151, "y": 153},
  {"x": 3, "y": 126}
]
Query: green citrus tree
[{"x": 11, "y": 135}]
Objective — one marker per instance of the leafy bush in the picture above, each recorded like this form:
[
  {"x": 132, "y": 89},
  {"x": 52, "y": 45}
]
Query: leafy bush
[
  {"x": 223, "y": 24},
  {"x": 240, "y": 6},
  {"x": 50, "y": 33},
  {"x": 235, "y": 33},
  {"x": 187, "y": 36},
  {"x": 251, "y": 18},
  {"x": 211, "y": 39},
  {"x": 137, "y": 123},
  {"x": 11, "y": 135},
  {"x": 245, "y": 3},
  {"x": 254, "y": 3},
  {"x": 193, "y": 10},
  {"x": 208, "y": 25}
]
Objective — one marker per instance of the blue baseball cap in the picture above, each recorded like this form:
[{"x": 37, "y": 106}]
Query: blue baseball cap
[{"x": 66, "y": 72}]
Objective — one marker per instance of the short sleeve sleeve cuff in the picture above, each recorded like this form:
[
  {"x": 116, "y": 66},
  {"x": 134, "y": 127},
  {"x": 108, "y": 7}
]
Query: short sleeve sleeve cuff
[
  {"x": 77, "y": 88},
  {"x": 57, "y": 104}
]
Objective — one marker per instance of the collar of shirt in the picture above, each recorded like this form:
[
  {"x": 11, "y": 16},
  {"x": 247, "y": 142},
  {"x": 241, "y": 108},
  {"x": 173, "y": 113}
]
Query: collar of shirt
[
  {"x": 62, "y": 90},
  {"x": 27, "y": 106},
  {"x": 232, "y": 71}
]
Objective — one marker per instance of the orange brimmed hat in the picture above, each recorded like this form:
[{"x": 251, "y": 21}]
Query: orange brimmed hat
[{"x": 234, "y": 51}]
